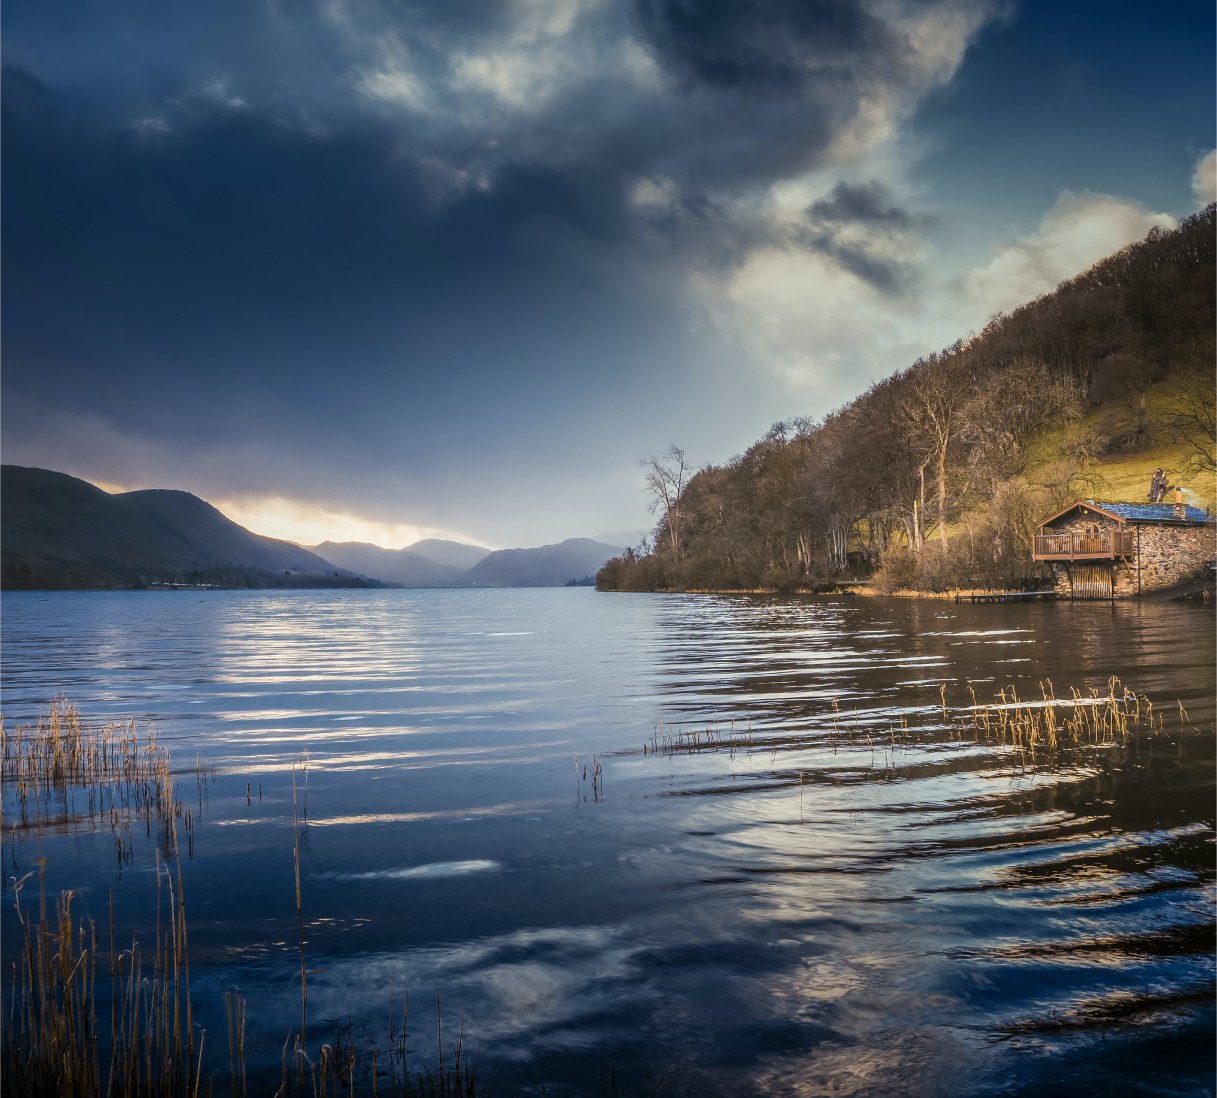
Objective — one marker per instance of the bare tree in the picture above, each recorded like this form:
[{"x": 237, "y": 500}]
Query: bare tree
[
  {"x": 665, "y": 482},
  {"x": 928, "y": 415},
  {"x": 1191, "y": 418}
]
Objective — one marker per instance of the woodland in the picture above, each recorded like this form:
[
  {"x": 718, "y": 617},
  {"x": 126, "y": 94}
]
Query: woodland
[{"x": 936, "y": 477}]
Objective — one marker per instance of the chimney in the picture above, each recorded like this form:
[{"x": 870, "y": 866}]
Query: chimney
[{"x": 1180, "y": 509}]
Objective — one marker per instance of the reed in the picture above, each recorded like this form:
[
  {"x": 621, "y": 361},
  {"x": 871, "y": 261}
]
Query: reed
[
  {"x": 691, "y": 741},
  {"x": 299, "y": 910},
  {"x": 585, "y": 777}
]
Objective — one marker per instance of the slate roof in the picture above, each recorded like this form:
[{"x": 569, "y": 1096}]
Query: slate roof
[{"x": 1151, "y": 512}]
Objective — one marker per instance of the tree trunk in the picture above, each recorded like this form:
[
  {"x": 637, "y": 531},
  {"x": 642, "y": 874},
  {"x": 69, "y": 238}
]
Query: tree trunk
[{"x": 942, "y": 497}]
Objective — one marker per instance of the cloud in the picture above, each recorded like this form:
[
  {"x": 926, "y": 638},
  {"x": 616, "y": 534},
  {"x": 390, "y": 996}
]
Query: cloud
[
  {"x": 866, "y": 233},
  {"x": 823, "y": 330},
  {"x": 772, "y": 48},
  {"x": 218, "y": 91},
  {"x": 519, "y": 78},
  {"x": 805, "y": 83},
  {"x": 1078, "y": 231},
  {"x": 853, "y": 289},
  {"x": 654, "y": 197},
  {"x": 152, "y": 127},
  {"x": 294, "y": 312},
  {"x": 1204, "y": 179},
  {"x": 534, "y": 61},
  {"x": 303, "y": 522},
  {"x": 826, "y": 294},
  {"x": 395, "y": 85}
]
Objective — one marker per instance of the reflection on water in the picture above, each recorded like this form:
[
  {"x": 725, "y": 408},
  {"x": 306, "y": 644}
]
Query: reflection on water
[
  {"x": 797, "y": 871},
  {"x": 434, "y": 869}
]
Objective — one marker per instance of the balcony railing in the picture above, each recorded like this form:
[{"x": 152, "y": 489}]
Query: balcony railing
[{"x": 1103, "y": 546}]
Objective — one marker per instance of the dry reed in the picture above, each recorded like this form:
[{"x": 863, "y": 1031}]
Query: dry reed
[
  {"x": 1044, "y": 726},
  {"x": 64, "y": 770},
  {"x": 1039, "y": 731}
]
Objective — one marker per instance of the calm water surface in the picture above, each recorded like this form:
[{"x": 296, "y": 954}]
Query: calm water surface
[{"x": 845, "y": 896}]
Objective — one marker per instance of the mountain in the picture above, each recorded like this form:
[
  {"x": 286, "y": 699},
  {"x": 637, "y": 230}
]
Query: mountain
[
  {"x": 59, "y": 531},
  {"x": 623, "y": 537},
  {"x": 546, "y": 566},
  {"x": 455, "y": 554},
  {"x": 403, "y": 566}
]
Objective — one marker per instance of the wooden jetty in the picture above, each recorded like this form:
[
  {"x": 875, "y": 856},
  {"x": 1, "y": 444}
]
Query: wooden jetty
[{"x": 1007, "y": 596}]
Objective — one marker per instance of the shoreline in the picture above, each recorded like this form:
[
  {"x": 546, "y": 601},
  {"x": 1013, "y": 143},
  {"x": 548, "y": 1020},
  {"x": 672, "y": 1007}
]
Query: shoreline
[{"x": 851, "y": 590}]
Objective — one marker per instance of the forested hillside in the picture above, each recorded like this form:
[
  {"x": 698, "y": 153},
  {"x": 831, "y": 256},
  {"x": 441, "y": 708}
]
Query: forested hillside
[{"x": 936, "y": 476}]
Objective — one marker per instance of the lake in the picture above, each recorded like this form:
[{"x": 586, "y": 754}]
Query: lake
[{"x": 648, "y": 843}]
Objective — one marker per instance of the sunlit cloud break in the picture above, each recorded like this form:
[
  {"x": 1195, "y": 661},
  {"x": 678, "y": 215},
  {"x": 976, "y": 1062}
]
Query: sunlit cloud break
[{"x": 307, "y": 524}]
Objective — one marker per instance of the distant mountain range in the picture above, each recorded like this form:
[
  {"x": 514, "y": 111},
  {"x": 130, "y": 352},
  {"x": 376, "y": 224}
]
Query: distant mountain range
[
  {"x": 623, "y": 537},
  {"x": 58, "y": 531},
  {"x": 397, "y": 566},
  {"x": 429, "y": 563},
  {"x": 545, "y": 566},
  {"x": 456, "y": 554}
]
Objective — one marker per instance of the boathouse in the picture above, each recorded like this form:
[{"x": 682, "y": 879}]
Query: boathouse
[{"x": 1100, "y": 549}]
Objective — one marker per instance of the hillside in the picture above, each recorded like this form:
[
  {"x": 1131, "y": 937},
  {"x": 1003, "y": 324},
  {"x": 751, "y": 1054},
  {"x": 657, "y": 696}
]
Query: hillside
[
  {"x": 545, "y": 566},
  {"x": 58, "y": 531},
  {"x": 936, "y": 476},
  {"x": 455, "y": 554},
  {"x": 401, "y": 566}
]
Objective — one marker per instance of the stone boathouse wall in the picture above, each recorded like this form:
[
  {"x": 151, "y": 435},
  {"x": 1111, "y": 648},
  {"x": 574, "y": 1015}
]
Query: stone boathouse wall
[{"x": 1170, "y": 554}]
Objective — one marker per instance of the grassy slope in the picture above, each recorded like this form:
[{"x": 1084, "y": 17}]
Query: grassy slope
[
  {"x": 1127, "y": 476},
  {"x": 1123, "y": 477}
]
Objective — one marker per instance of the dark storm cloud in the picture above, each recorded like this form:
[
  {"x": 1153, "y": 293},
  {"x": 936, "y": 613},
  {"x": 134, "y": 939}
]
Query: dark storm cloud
[
  {"x": 775, "y": 47},
  {"x": 149, "y": 277},
  {"x": 766, "y": 86},
  {"x": 859, "y": 226},
  {"x": 861, "y": 202},
  {"x": 406, "y": 235}
]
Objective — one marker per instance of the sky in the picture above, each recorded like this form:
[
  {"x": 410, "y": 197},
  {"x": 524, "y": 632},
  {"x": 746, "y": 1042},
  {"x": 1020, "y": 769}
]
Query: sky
[{"x": 379, "y": 270}]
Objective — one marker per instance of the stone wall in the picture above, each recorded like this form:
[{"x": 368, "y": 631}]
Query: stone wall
[
  {"x": 1078, "y": 524},
  {"x": 1169, "y": 554}
]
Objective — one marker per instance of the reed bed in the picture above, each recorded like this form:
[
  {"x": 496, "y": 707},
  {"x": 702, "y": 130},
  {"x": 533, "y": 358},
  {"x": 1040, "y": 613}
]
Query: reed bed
[
  {"x": 1045, "y": 725},
  {"x": 1037, "y": 731},
  {"x": 63, "y": 769},
  {"x": 63, "y": 1036},
  {"x": 58, "y": 1029},
  {"x": 132, "y": 1035},
  {"x": 89, "y": 1021}
]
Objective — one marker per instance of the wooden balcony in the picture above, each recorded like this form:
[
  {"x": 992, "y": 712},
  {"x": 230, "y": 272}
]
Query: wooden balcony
[{"x": 1105, "y": 546}]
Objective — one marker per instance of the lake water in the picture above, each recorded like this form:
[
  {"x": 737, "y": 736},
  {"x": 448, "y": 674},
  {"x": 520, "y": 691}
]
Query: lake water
[{"x": 793, "y": 873}]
